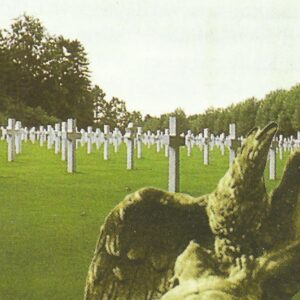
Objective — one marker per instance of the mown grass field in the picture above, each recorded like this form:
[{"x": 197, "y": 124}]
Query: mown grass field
[{"x": 49, "y": 220}]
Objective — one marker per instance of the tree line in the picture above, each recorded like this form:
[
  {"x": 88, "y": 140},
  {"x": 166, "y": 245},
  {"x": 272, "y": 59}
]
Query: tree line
[
  {"x": 281, "y": 106},
  {"x": 45, "y": 79}
]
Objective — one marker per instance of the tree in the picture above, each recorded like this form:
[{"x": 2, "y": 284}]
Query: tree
[
  {"x": 100, "y": 103},
  {"x": 152, "y": 123},
  {"x": 245, "y": 115},
  {"x": 112, "y": 113},
  {"x": 296, "y": 119},
  {"x": 25, "y": 42},
  {"x": 293, "y": 107},
  {"x": 271, "y": 106},
  {"x": 47, "y": 71},
  {"x": 136, "y": 118},
  {"x": 69, "y": 70},
  {"x": 118, "y": 108}
]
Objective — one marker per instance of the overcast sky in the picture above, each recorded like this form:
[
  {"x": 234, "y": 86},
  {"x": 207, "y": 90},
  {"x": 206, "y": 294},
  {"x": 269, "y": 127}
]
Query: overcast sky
[{"x": 161, "y": 54}]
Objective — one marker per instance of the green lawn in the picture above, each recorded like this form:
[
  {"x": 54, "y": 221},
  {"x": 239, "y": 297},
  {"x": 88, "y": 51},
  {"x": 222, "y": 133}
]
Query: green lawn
[{"x": 49, "y": 220}]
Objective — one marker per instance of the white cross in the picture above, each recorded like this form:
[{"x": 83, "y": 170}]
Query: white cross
[
  {"x": 233, "y": 143},
  {"x": 63, "y": 141},
  {"x": 174, "y": 141},
  {"x": 57, "y": 136},
  {"x": 130, "y": 149},
  {"x": 272, "y": 162},
  {"x": 206, "y": 144},
  {"x": 106, "y": 142},
  {"x": 12, "y": 133},
  {"x": 139, "y": 137},
  {"x": 72, "y": 136}
]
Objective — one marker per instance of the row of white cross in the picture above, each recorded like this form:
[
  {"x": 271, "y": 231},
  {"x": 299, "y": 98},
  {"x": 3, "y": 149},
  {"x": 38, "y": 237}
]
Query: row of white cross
[
  {"x": 204, "y": 141},
  {"x": 66, "y": 139}
]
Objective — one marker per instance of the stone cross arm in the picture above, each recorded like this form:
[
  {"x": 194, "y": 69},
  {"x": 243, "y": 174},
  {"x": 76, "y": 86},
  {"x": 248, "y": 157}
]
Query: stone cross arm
[
  {"x": 128, "y": 134},
  {"x": 174, "y": 141},
  {"x": 73, "y": 136},
  {"x": 12, "y": 131}
]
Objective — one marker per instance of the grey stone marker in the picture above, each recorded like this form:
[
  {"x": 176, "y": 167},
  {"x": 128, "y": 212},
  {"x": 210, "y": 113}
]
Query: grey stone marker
[
  {"x": 89, "y": 139},
  {"x": 116, "y": 137},
  {"x": 174, "y": 140},
  {"x": 272, "y": 162},
  {"x": 148, "y": 139},
  {"x": 158, "y": 141},
  {"x": 106, "y": 142},
  {"x": 298, "y": 139},
  {"x": 206, "y": 145},
  {"x": 3, "y": 133},
  {"x": 130, "y": 147},
  {"x": 212, "y": 141},
  {"x": 292, "y": 143},
  {"x": 222, "y": 143},
  {"x": 153, "y": 139},
  {"x": 78, "y": 141},
  {"x": 63, "y": 141},
  {"x": 115, "y": 140},
  {"x": 18, "y": 137},
  {"x": 49, "y": 137},
  {"x": 280, "y": 146},
  {"x": 11, "y": 138},
  {"x": 200, "y": 141},
  {"x": 167, "y": 133},
  {"x": 32, "y": 135},
  {"x": 57, "y": 138},
  {"x": 25, "y": 134},
  {"x": 139, "y": 138},
  {"x": 188, "y": 142},
  {"x": 233, "y": 143},
  {"x": 42, "y": 136},
  {"x": 82, "y": 140},
  {"x": 98, "y": 138},
  {"x": 285, "y": 144},
  {"x": 72, "y": 136}
]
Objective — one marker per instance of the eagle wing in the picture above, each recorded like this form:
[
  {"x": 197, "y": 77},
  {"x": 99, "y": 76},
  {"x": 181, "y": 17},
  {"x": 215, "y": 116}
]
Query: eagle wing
[
  {"x": 284, "y": 202},
  {"x": 283, "y": 228},
  {"x": 140, "y": 241}
]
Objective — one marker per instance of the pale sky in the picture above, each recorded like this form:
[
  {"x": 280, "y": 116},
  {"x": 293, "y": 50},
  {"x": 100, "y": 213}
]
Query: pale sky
[{"x": 158, "y": 55}]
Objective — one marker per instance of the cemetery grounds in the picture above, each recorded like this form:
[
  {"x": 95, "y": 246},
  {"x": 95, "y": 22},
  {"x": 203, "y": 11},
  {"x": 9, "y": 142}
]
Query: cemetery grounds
[{"x": 50, "y": 220}]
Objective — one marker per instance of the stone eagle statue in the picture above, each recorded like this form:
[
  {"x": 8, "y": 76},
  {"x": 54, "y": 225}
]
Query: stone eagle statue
[{"x": 239, "y": 242}]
